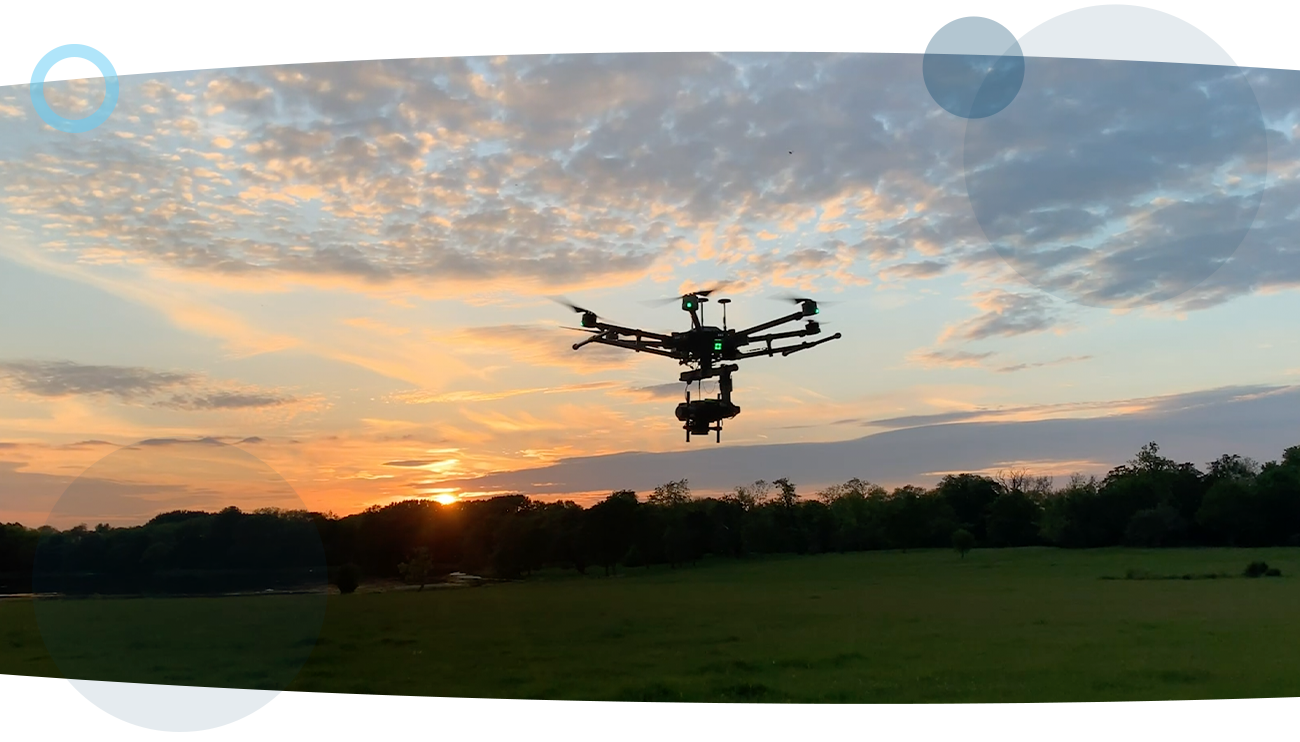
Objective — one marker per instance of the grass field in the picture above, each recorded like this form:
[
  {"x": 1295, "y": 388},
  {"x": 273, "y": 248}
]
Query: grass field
[{"x": 1022, "y": 625}]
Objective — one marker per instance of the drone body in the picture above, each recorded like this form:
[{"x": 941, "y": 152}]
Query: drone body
[{"x": 706, "y": 349}]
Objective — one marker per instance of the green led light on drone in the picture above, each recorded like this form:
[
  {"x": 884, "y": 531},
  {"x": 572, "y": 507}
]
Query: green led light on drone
[{"x": 717, "y": 345}]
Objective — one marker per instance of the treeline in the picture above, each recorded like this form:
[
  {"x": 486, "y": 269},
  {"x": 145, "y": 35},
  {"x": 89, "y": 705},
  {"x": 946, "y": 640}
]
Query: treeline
[
  {"x": 1151, "y": 501},
  {"x": 176, "y": 552}
]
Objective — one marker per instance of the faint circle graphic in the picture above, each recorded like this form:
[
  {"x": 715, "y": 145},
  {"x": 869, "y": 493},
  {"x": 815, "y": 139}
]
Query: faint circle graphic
[
  {"x": 973, "y": 67},
  {"x": 1130, "y": 168},
  {"x": 74, "y": 51},
  {"x": 182, "y": 584}
]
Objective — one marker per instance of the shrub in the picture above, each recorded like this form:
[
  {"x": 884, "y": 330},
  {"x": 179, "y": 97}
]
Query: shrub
[
  {"x": 348, "y": 578},
  {"x": 1256, "y": 569},
  {"x": 962, "y": 541},
  {"x": 634, "y": 558}
]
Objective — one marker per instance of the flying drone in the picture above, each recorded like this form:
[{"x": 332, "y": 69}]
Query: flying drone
[{"x": 706, "y": 350}]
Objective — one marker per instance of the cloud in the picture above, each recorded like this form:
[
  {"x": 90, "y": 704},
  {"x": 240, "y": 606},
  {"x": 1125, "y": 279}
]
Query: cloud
[
  {"x": 1253, "y": 421},
  {"x": 1041, "y": 364},
  {"x": 923, "y": 269},
  {"x": 1006, "y": 314},
  {"x": 205, "y": 441},
  {"x": 1108, "y": 407},
  {"x": 1108, "y": 182},
  {"x": 59, "y": 379},
  {"x": 1138, "y": 185},
  {"x": 65, "y": 378},
  {"x": 581, "y": 170},
  {"x": 88, "y": 445},
  {"x": 953, "y": 358},
  {"x": 543, "y": 345},
  {"x": 671, "y": 390},
  {"x": 421, "y": 397},
  {"x": 223, "y": 401}
]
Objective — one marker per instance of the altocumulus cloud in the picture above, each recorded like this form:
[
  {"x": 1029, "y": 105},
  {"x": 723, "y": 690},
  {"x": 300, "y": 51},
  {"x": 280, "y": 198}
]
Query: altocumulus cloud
[{"x": 593, "y": 169}]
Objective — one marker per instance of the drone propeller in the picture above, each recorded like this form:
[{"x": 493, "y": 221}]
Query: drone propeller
[
  {"x": 679, "y": 297},
  {"x": 589, "y": 318},
  {"x": 580, "y": 329},
  {"x": 566, "y": 303},
  {"x": 801, "y": 299}
]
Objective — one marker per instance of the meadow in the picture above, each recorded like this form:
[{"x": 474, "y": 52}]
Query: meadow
[{"x": 999, "y": 625}]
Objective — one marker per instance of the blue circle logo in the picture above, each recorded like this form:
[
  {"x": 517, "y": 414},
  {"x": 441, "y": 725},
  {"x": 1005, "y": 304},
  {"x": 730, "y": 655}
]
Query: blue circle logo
[{"x": 74, "y": 51}]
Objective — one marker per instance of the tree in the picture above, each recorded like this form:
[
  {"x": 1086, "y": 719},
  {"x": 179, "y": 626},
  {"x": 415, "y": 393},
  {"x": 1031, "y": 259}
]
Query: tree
[
  {"x": 676, "y": 546},
  {"x": 788, "y": 496},
  {"x": 1013, "y": 520},
  {"x": 520, "y": 544},
  {"x": 1232, "y": 466},
  {"x": 787, "y": 499},
  {"x": 418, "y": 569},
  {"x": 1148, "y": 459},
  {"x": 348, "y": 578},
  {"x": 962, "y": 541},
  {"x": 969, "y": 496},
  {"x": 671, "y": 494},
  {"x": 609, "y": 529},
  {"x": 1014, "y": 480},
  {"x": 1153, "y": 527}
]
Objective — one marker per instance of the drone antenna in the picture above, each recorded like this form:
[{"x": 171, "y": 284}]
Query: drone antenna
[{"x": 724, "y": 303}]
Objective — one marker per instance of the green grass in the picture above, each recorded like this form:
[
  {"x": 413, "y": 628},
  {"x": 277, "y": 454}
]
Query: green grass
[{"x": 1023, "y": 625}]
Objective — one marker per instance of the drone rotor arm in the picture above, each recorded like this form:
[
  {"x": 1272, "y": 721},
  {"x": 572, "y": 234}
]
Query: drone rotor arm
[
  {"x": 782, "y": 335},
  {"x": 619, "y": 330},
  {"x": 592, "y": 339},
  {"x": 792, "y": 317},
  {"x": 631, "y": 345},
  {"x": 807, "y": 345},
  {"x": 786, "y": 350}
]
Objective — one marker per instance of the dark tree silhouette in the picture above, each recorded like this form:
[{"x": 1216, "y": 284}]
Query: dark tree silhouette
[
  {"x": 418, "y": 569},
  {"x": 970, "y": 496},
  {"x": 1150, "y": 501},
  {"x": 962, "y": 541}
]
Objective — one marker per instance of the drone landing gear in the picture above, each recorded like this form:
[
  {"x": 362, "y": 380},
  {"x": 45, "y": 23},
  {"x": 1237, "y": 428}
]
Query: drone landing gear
[
  {"x": 704, "y": 416},
  {"x": 699, "y": 426}
]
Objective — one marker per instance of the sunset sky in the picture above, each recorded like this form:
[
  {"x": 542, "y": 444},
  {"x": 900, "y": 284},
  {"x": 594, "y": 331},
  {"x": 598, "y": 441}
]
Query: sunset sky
[{"x": 344, "y": 269}]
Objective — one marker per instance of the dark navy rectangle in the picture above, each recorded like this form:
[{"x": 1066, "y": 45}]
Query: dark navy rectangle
[
  {"x": 90, "y": 707},
  {"x": 1192, "y": 33}
]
